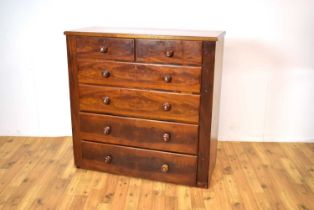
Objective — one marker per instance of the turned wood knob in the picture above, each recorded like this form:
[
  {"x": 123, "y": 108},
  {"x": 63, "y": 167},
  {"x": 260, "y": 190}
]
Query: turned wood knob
[
  {"x": 167, "y": 78},
  {"x": 166, "y": 137},
  {"x": 107, "y": 130},
  {"x": 169, "y": 53},
  {"x": 108, "y": 159},
  {"x": 103, "y": 49},
  {"x": 164, "y": 168},
  {"x": 105, "y": 74},
  {"x": 106, "y": 100},
  {"x": 166, "y": 106}
]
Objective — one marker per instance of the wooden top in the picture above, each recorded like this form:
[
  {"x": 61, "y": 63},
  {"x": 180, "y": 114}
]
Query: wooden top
[{"x": 148, "y": 33}]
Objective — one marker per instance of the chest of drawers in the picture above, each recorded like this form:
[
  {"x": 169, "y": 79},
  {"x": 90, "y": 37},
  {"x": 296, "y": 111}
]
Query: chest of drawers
[{"x": 145, "y": 103}]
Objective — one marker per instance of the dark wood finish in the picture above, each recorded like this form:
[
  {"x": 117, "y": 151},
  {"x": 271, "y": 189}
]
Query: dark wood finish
[
  {"x": 121, "y": 74},
  {"x": 74, "y": 98},
  {"x": 146, "y": 103},
  {"x": 215, "y": 106},
  {"x": 105, "y": 48},
  {"x": 138, "y": 33},
  {"x": 150, "y": 164},
  {"x": 169, "y": 51},
  {"x": 140, "y": 103},
  {"x": 150, "y": 134},
  {"x": 209, "y": 112}
]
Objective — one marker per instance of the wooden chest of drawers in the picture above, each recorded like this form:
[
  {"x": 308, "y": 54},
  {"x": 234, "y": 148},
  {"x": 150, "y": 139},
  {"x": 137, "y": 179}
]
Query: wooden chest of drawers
[{"x": 145, "y": 103}]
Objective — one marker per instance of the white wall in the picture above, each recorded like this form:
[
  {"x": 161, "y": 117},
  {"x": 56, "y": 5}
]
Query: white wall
[{"x": 268, "y": 78}]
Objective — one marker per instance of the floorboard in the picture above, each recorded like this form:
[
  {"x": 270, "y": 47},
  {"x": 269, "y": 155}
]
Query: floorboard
[{"x": 39, "y": 173}]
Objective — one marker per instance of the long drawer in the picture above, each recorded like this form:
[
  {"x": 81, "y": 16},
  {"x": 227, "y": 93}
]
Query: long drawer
[
  {"x": 140, "y": 103},
  {"x": 137, "y": 75},
  {"x": 164, "y": 166},
  {"x": 151, "y": 134}
]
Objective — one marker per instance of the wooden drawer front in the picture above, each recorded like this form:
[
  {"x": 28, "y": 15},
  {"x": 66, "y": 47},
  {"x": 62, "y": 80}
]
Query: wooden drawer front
[
  {"x": 151, "y": 134},
  {"x": 169, "y": 51},
  {"x": 105, "y": 48},
  {"x": 162, "y": 77},
  {"x": 139, "y": 103},
  {"x": 140, "y": 162}
]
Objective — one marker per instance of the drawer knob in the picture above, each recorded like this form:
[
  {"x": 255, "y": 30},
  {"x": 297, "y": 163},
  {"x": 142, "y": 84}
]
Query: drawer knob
[
  {"x": 169, "y": 53},
  {"x": 166, "y": 106},
  {"x": 108, "y": 159},
  {"x": 166, "y": 137},
  {"x": 107, "y": 130},
  {"x": 103, "y": 49},
  {"x": 164, "y": 168},
  {"x": 106, "y": 100},
  {"x": 105, "y": 74},
  {"x": 167, "y": 78}
]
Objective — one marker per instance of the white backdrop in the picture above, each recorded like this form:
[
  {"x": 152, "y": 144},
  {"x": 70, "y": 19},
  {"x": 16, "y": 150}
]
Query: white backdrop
[{"x": 268, "y": 78}]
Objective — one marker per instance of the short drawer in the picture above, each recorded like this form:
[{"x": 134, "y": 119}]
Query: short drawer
[
  {"x": 164, "y": 166},
  {"x": 140, "y": 103},
  {"x": 152, "y": 76},
  {"x": 151, "y": 134},
  {"x": 104, "y": 48},
  {"x": 169, "y": 51}
]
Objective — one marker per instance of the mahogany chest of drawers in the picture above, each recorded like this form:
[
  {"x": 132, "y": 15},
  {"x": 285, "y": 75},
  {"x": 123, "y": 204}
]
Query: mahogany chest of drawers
[{"x": 145, "y": 103}]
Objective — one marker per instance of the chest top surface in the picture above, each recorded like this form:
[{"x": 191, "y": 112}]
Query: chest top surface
[{"x": 148, "y": 33}]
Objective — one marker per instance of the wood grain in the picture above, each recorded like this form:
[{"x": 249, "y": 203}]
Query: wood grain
[
  {"x": 136, "y": 81},
  {"x": 217, "y": 79},
  {"x": 209, "y": 111},
  {"x": 74, "y": 97},
  {"x": 38, "y": 173},
  {"x": 184, "y": 52},
  {"x": 140, "y": 133},
  {"x": 148, "y": 33},
  {"x": 136, "y": 75},
  {"x": 140, "y": 162},
  {"x": 139, "y": 103},
  {"x": 116, "y": 49}
]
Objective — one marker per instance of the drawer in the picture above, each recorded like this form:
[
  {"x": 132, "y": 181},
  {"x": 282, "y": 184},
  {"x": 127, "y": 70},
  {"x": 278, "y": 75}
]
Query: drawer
[
  {"x": 105, "y": 48},
  {"x": 152, "y": 76},
  {"x": 139, "y": 103},
  {"x": 164, "y": 166},
  {"x": 169, "y": 51},
  {"x": 151, "y": 134}
]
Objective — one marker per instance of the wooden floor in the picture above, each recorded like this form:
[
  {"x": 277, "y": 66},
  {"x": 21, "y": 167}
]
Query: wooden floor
[{"x": 38, "y": 173}]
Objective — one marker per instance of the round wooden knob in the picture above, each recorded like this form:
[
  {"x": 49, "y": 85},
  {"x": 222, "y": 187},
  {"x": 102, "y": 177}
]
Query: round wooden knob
[
  {"x": 108, "y": 159},
  {"x": 164, "y": 168},
  {"x": 107, "y": 130},
  {"x": 105, "y": 74},
  {"x": 106, "y": 100},
  {"x": 169, "y": 53},
  {"x": 167, "y": 78},
  {"x": 103, "y": 49},
  {"x": 166, "y": 137},
  {"x": 166, "y": 106}
]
